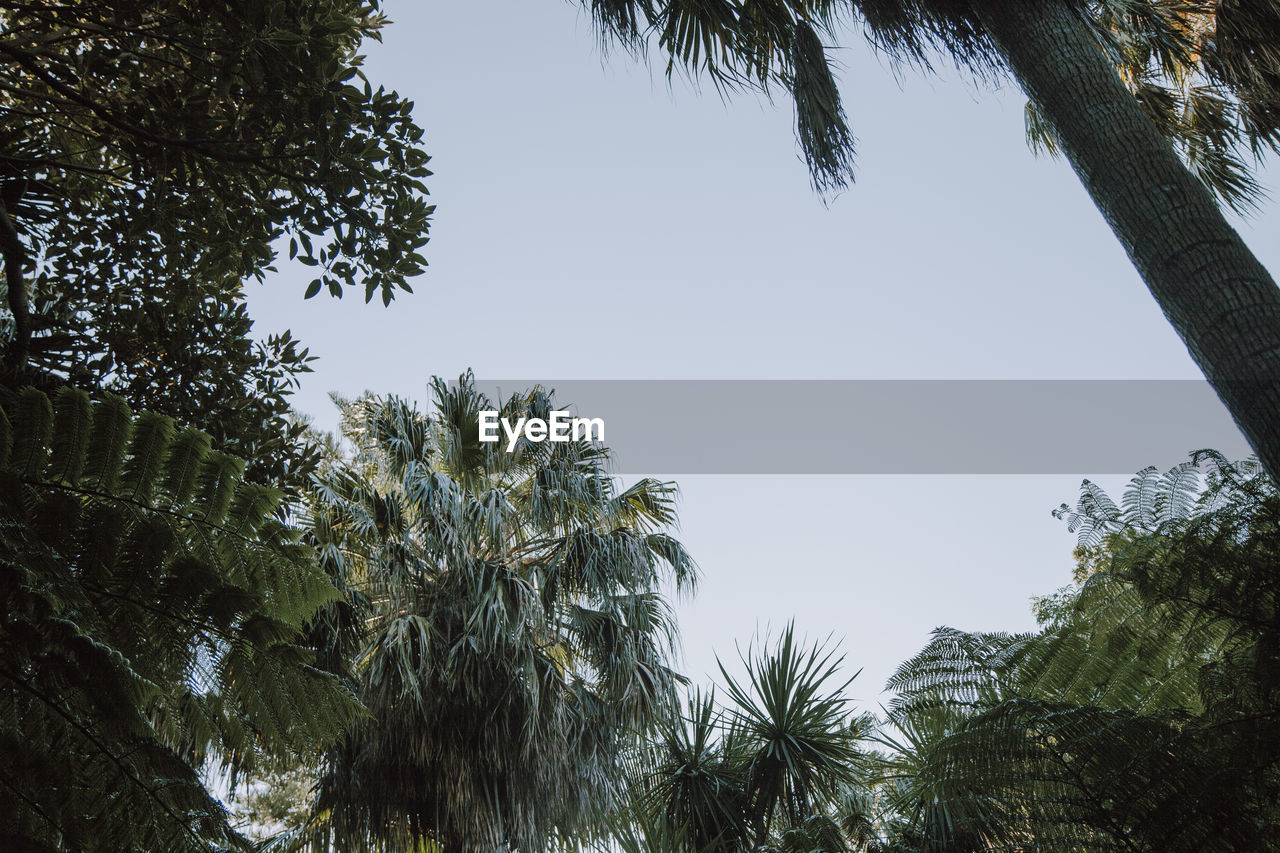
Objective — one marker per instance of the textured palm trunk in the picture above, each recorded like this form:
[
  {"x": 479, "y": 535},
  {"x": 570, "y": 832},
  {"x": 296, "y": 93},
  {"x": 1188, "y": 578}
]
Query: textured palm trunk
[{"x": 1220, "y": 299}]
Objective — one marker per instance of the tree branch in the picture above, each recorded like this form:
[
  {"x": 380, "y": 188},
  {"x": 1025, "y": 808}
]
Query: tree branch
[
  {"x": 203, "y": 147},
  {"x": 15, "y": 257}
]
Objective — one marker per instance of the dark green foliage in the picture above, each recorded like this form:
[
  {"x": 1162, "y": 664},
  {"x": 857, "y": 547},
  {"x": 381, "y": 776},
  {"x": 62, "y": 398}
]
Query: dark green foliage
[
  {"x": 760, "y": 43},
  {"x": 1207, "y": 74},
  {"x": 150, "y": 616},
  {"x": 151, "y": 156},
  {"x": 1145, "y": 716},
  {"x": 820, "y": 120}
]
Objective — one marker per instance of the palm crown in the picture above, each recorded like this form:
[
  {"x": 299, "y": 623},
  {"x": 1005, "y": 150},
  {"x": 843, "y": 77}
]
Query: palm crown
[{"x": 515, "y": 631}]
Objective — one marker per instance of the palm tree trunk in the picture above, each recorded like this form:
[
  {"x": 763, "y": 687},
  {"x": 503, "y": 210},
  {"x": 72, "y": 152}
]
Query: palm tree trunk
[{"x": 1220, "y": 299}]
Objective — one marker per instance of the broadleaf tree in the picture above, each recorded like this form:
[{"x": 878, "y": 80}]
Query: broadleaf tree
[{"x": 152, "y": 158}]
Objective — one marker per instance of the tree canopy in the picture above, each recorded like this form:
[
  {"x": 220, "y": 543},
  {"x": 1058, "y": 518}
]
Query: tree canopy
[
  {"x": 156, "y": 601},
  {"x": 152, "y": 157},
  {"x": 1143, "y": 716},
  {"x": 510, "y": 623},
  {"x": 151, "y": 609},
  {"x": 472, "y": 649}
]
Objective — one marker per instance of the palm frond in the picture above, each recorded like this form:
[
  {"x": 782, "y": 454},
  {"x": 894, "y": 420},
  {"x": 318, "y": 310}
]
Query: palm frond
[{"x": 517, "y": 635}]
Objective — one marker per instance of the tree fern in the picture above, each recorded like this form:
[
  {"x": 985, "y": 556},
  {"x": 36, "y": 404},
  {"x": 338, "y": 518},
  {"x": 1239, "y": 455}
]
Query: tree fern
[
  {"x": 1146, "y": 714},
  {"x": 152, "y": 611}
]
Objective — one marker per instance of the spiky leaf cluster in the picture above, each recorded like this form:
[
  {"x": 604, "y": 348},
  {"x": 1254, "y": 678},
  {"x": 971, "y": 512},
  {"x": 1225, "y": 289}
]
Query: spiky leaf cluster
[{"x": 774, "y": 770}]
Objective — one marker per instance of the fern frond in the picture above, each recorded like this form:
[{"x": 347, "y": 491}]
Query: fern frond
[
  {"x": 72, "y": 425},
  {"x": 187, "y": 453},
  {"x": 33, "y": 420},
  {"x": 217, "y": 488},
  {"x": 1143, "y": 716},
  {"x": 112, "y": 424},
  {"x": 152, "y": 627},
  {"x": 148, "y": 448}
]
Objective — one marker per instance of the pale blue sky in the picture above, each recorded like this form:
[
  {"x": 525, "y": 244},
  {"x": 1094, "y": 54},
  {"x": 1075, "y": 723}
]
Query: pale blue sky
[{"x": 595, "y": 222}]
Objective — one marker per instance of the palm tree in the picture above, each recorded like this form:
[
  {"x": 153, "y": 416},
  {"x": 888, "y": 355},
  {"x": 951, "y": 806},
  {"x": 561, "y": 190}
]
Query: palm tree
[
  {"x": 1063, "y": 53},
  {"x": 514, "y": 632}
]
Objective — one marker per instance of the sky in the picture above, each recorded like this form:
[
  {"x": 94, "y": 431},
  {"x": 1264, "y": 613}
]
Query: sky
[{"x": 598, "y": 221}]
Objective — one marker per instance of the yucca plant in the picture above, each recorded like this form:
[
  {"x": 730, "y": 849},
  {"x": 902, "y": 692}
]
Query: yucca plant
[
  {"x": 513, "y": 633},
  {"x": 151, "y": 607},
  {"x": 778, "y": 769}
]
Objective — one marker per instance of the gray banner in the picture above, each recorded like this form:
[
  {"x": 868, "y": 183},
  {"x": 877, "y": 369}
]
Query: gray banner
[{"x": 895, "y": 426}]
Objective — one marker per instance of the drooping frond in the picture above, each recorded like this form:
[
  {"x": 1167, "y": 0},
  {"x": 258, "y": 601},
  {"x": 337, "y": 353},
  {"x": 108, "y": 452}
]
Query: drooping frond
[
  {"x": 959, "y": 668},
  {"x": 760, "y": 44},
  {"x": 920, "y": 31},
  {"x": 821, "y": 127},
  {"x": 1243, "y": 54}
]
